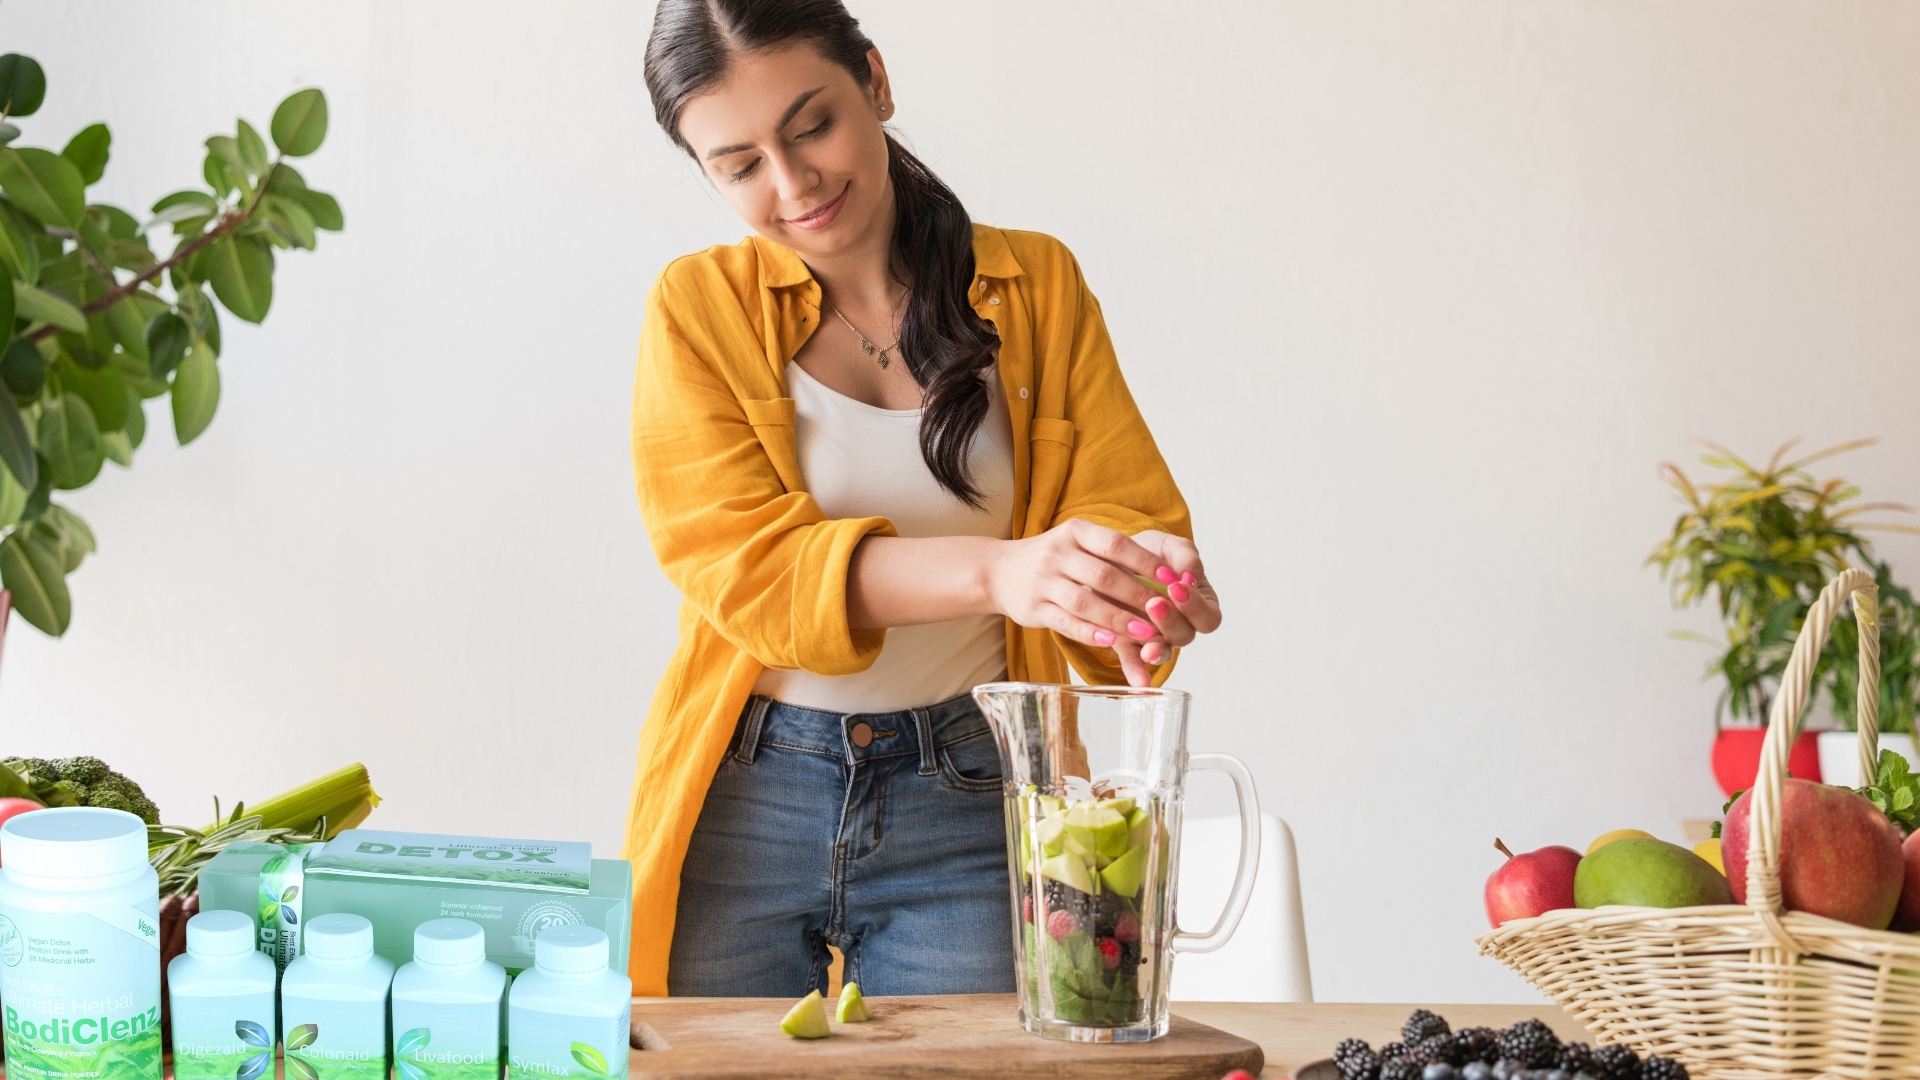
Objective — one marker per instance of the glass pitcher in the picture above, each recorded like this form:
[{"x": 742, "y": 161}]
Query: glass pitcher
[{"x": 1095, "y": 780}]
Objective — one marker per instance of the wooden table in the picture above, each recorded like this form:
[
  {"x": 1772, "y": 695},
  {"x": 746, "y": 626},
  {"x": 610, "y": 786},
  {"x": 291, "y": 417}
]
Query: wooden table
[{"x": 1295, "y": 1034}]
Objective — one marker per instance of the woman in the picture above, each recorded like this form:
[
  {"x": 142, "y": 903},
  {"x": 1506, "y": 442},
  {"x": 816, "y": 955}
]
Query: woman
[{"x": 887, "y": 455}]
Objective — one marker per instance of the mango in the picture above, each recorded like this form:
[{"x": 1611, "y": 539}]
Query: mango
[
  {"x": 1618, "y": 834},
  {"x": 1643, "y": 872}
]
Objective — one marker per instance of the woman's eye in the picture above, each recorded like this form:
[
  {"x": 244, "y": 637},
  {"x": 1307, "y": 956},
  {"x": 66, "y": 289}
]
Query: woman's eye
[
  {"x": 817, "y": 130},
  {"x": 743, "y": 174}
]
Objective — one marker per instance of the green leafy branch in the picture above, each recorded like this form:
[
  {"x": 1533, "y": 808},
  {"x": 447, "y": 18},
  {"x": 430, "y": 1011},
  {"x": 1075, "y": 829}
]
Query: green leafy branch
[
  {"x": 1761, "y": 544},
  {"x": 1896, "y": 791},
  {"x": 98, "y": 323}
]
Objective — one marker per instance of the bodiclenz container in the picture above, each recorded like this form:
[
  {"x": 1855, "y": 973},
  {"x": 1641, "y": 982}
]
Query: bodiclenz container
[
  {"x": 79, "y": 946},
  {"x": 221, "y": 990}
]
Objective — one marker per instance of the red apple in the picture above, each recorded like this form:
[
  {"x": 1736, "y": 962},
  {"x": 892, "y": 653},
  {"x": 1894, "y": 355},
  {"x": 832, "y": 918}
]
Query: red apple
[
  {"x": 12, "y": 806},
  {"x": 1839, "y": 857},
  {"x": 1531, "y": 884},
  {"x": 1907, "y": 919}
]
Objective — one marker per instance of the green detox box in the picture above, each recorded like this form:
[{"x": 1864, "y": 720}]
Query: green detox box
[{"x": 512, "y": 888}]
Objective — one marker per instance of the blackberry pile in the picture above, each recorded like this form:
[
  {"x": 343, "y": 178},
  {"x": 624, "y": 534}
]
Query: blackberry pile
[{"x": 1430, "y": 1050}]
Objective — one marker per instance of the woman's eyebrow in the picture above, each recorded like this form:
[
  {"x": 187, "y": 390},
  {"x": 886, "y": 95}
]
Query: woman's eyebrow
[{"x": 785, "y": 119}]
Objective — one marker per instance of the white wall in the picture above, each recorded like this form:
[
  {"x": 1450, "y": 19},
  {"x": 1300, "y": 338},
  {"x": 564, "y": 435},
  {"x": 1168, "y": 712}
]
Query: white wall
[{"x": 1415, "y": 296}]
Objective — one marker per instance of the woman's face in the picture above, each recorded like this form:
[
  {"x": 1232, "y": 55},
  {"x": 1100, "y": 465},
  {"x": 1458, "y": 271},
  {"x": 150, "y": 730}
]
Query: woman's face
[{"x": 794, "y": 145}]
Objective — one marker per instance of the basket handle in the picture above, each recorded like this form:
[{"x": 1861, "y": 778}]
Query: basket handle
[{"x": 1789, "y": 707}]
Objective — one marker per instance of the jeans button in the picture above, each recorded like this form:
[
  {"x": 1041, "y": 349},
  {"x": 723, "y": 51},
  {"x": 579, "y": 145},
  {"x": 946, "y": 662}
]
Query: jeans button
[{"x": 861, "y": 734}]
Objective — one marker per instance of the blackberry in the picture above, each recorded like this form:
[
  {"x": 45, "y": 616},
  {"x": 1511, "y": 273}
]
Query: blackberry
[
  {"x": 1356, "y": 1060},
  {"x": 1423, "y": 1025},
  {"x": 1531, "y": 1043},
  {"x": 1441, "y": 1048},
  {"x": 1663, "y": 1068},
  {"x": 1078, "y": 904},
  {"x": 1577, "y": 1057},
  {"x": 1476, "y": 1044},
  {"x": 1400, "y": 1068},
  {"x": 1393, "y": 1050},
  {"x": 1615, "y": 1061}
]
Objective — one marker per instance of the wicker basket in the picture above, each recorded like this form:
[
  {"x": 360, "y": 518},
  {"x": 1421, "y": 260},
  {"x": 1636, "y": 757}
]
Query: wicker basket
[{"x": 1744, "y": 992}]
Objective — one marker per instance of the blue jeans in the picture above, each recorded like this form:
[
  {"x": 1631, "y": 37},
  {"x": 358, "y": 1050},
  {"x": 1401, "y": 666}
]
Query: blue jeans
[{"x": 880, "y": 834}]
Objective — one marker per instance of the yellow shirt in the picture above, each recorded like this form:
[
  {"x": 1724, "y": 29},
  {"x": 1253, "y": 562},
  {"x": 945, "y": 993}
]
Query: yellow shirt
[{"x": 764, "y": 572}]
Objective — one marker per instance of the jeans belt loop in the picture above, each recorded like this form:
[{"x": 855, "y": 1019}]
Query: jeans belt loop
[
  {"x": 756, "y": 719},
  {"x": 923, "y": 722}
]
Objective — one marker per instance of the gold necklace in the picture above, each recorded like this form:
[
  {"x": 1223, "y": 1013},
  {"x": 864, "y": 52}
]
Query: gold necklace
[{"x": 866, "y": 346}]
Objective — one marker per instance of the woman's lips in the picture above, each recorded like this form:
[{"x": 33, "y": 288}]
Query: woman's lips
[{"x": 821, "y": 218}]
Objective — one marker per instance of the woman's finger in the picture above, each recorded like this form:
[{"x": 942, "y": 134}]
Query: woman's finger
[
  {"x": 1115, "y": 547},
  {"x": 1110, "y": 581},
  {"x": 1173, "y": 623},
  {"x": 1088, "y": 605},
  {"x": 1068, "y": 625},
  {"x": 1197, "y": 603},
  {"x": 1137, "y": 670}
]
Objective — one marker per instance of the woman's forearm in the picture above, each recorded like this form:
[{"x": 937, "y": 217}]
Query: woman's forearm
[{"x": 906, "y": 581}]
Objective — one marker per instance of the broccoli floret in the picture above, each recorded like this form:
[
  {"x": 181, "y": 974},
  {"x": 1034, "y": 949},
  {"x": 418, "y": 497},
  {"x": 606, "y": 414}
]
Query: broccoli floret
[{"x": 92, "y": 782}]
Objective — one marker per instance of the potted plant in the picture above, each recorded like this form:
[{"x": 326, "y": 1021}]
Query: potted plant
[
  {"x": 1760, "y": 544},
  {"x": 97, "y": 323}
]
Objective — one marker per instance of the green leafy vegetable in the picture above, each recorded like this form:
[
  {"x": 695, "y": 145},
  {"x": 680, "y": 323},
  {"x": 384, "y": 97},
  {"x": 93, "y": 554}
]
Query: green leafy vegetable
[{"x": 1896, "y": 791}]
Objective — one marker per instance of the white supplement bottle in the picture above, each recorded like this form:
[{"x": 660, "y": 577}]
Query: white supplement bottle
[
  {"x": 447, "y": 1005},
  {"x": 220, "y": 992},
  {"x": 569, "y": 1015},
  {"x": 333, "y": 1002},
  {"x": 79, "y": 945}
]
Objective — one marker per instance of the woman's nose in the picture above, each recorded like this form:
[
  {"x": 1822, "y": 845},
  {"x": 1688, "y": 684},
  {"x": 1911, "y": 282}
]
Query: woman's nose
[{"x": 793, "y": 179}]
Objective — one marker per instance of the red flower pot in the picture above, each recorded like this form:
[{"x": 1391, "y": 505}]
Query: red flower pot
[{"x": 1736, "y": 757}]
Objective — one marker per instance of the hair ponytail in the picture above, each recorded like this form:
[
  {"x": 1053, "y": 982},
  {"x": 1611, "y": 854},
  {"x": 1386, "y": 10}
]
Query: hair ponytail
[{"x": 947, "y": 347}]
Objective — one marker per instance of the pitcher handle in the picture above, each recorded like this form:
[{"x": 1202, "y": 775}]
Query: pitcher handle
[{"x": 1229, "y": 920}]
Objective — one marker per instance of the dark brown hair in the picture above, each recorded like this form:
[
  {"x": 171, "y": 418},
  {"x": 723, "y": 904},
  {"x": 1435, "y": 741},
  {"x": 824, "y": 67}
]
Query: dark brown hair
[{"x": 949, "y": 350}]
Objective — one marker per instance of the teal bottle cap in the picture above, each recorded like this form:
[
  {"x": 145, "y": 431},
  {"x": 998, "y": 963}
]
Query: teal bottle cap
[
  {"x": 219, "y": 935},
  {"x": 339, "y": 938},
  {"x": 449, "y": 943},
  {"x": 73, "y": 847},
  {"x": 571, "y": 950}
]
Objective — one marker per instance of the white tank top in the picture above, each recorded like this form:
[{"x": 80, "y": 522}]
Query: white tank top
[{"x": 861, "y": 461}]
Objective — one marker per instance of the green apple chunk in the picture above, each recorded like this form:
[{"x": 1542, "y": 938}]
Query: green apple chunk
[
  {"x": 1069, "y": 871},
  {"x": 853, "y": 1007},
  {"x": 807, "y": 1019},
  {"x": 1124, "y": 875},
  {"x": 1098, "y": 827}
]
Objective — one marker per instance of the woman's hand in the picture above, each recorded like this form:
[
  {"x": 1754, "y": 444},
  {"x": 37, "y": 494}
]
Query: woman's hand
[
  {"x": 1077, "y": 579},
  {"x": 1195, "y": 607}
]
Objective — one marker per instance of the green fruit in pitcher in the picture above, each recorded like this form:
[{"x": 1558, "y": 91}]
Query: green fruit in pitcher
[
  {"x": 1648, "y": 873},
  {"x": 807, "y": 1019},
  {"x": 1124, "y": 875},
  {"x": 1098, "y": 827},
  {"x": 1069, "y": 871},
  {"x": 852, "y": 1008},
  {"x": 1052, "y": 832}
]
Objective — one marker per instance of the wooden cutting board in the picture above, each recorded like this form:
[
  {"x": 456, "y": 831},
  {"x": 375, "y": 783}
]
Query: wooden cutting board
[{"x": 962, "y": 1035}]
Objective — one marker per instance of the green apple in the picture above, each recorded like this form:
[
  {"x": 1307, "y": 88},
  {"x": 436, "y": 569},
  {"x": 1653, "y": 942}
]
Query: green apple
[
  {"x": 807, "y": 1019},
  {"x": 1124, "y": 875},
  {"x": 1099, "y": 828},
  {"x": 1068, "y": 870},
  {"x": 853, "y": 1008}
]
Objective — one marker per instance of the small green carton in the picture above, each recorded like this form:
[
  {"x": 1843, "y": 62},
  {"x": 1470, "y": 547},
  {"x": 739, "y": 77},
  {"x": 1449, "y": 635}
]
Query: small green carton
[{"x": 513, "y": 888}]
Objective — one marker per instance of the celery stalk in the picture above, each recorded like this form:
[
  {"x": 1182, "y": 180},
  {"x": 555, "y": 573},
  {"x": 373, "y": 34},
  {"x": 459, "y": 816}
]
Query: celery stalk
[{"x": 344, "y": 797}]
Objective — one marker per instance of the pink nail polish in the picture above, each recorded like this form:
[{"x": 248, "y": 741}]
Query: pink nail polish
[
  {"x": 1103, "y": 637},
  {"x": 1178, "y": 592},
  {"x": 1158, "y": 608},
  {"x": 1164, "y": 576},
  {"x": 1189, "y": 579},
  {"x": 1139, "y": 629}
]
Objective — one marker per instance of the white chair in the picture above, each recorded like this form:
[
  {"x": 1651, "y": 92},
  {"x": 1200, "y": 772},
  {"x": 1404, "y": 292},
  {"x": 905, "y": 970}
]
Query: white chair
[{"x": 1267, "y": 958}]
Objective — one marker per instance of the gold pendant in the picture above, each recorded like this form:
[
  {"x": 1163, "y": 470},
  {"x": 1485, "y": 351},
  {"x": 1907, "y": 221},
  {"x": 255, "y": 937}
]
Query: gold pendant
[
  {"x": 866, "y": 346},
  {"x": 883, "y": 358}
]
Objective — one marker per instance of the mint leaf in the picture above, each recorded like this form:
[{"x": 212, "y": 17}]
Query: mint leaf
[{"x": 1896, "y": 791}]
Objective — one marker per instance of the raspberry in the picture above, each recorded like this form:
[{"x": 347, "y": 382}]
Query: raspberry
[
  {"x": 1128, "y": 928},
  {"x": 1026, "y": 909},
  {"x": 1060, "y": 924},
  {"x": 1109, "y": 953}
]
